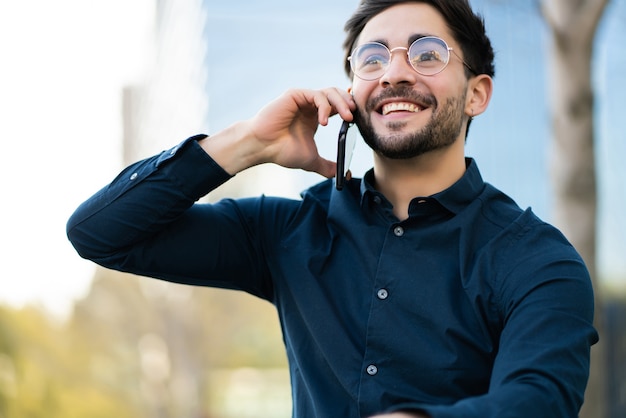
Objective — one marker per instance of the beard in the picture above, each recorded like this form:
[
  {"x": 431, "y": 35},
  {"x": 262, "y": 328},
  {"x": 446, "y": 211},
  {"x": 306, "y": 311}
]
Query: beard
[{"x": 441, "y": 131}]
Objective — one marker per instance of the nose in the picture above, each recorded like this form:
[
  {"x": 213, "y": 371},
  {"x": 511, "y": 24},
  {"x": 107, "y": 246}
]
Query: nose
[{"x": 399, "y": 70}]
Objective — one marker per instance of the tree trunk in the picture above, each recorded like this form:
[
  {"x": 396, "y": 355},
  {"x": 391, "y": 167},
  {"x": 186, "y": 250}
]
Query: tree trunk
[{"x": 573, "y": 25}]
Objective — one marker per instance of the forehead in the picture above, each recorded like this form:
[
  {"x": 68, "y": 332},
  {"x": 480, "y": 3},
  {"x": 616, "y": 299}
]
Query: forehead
[{"x": 397, "y": 24}]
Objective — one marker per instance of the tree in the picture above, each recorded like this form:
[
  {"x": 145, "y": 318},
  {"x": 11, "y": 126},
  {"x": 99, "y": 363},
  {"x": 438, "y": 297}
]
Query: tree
[{"x": 573, "y": 25}]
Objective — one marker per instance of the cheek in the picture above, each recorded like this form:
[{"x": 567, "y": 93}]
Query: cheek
[
  {"x": 454, "y": 87},
  {"x": 361, "y": 91}
]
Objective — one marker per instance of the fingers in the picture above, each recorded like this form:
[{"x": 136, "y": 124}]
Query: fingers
[
  {"x": 326, "y": 102},
  {"x": 330, "y": 102},
  {"x": 333, "y": 101}
]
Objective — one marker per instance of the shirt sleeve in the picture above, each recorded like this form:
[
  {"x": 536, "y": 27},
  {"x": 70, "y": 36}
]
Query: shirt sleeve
[
  {"x": 545, "y": 305},
  {"x": 145, "y": 222}
]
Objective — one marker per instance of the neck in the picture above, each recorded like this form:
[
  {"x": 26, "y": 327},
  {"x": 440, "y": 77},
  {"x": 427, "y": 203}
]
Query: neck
[{"x": 403, "y": 180}]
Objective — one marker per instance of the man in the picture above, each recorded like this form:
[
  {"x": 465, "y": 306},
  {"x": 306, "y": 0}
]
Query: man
[{"x": 418, "y": 291}]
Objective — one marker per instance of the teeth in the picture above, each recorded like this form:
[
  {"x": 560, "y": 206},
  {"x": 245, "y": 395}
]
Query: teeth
[{"x": 395, "y": 107}]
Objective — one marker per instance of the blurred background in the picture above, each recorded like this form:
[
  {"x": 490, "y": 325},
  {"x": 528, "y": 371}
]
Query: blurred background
[{"x": 87, "y": 87}]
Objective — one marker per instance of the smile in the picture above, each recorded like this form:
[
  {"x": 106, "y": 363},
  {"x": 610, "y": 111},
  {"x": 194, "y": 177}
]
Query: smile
[{"x": 400, "y": 107}]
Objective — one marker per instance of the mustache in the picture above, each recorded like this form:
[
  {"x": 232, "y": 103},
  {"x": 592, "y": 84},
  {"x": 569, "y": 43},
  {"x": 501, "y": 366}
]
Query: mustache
[{"x": 403, "y": 92}]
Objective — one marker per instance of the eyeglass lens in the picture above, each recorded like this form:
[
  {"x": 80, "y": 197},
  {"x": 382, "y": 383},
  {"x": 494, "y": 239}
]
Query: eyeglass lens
[{"x": 428, "y": 56}]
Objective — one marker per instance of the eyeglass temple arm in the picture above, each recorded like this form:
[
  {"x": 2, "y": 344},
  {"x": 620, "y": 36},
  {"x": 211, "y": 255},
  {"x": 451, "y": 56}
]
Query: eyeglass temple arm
[{"x": 463, "y": 61}]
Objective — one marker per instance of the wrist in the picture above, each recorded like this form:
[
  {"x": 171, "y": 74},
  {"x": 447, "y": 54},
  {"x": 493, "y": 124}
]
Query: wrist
[{"x": 233, "y": 148}]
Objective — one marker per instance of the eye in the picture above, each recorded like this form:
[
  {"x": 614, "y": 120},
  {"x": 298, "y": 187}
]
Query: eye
[
  {"x": 427, "y": 56},
  {"x": 372, "y": 60},
  {"x": 372, "y": 56}
]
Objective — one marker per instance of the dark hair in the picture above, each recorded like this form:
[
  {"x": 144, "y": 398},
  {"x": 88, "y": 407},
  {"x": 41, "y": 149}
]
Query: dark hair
[{"x": 468, "y": 29}]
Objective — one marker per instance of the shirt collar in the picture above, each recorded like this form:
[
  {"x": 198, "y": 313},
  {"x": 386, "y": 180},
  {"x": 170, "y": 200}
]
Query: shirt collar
[{"x": 455, "y": 198}]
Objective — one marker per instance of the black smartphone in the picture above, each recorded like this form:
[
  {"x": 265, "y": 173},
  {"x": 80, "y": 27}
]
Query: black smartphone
[{"x": 345, "y": 146}]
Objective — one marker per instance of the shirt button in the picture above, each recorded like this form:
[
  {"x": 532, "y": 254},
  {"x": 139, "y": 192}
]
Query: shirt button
[
  {"x": 377, "y": 200},
  {"x": 382, "y": 294},
  {"x": 398, "y": 231},
  {"x": 133, "y": 176},
  {"x": 372, "y": 370}
]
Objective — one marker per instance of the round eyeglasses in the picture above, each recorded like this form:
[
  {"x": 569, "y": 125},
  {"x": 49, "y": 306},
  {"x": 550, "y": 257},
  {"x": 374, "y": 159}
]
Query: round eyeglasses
[{"x": 428, "y": 56}]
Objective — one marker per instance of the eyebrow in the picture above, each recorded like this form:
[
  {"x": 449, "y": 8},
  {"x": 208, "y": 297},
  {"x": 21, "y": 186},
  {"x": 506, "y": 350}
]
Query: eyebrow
[{"x": 412, "y": 39}]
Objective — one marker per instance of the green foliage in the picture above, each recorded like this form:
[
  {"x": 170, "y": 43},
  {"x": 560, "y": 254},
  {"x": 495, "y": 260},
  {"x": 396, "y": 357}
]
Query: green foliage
[{"x": 39, "y": 376}]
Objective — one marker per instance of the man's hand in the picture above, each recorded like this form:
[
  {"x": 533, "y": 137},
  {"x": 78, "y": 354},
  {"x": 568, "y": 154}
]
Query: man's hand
[{"x": 282, "y": 132}]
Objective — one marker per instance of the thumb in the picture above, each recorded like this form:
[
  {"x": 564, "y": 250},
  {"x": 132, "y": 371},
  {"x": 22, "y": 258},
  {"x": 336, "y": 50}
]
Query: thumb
[{"x": 324, "y": 167}]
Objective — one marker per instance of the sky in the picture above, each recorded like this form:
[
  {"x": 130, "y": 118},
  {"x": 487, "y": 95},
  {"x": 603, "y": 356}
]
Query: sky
[{"x": 65, "y": 63}]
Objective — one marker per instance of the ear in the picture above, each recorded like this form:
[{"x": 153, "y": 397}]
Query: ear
[{"x": 479, "y": 92}]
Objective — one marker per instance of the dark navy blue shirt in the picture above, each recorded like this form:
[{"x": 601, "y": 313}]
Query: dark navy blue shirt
[{"x": 471, "y": 307}]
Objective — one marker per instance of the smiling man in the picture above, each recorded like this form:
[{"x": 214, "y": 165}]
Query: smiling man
[
  {"x": 415, "y": 100},
  {"x": 417, "y": 291}
]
